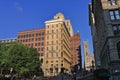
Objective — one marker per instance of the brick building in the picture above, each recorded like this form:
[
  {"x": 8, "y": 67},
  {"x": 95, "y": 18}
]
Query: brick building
[
  {"x": 76, "y": 50},
  {"x": 33, "y": 38}
]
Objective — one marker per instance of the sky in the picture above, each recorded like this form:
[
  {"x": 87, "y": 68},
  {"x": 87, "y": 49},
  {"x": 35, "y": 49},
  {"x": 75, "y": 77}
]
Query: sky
[{"x": 19, "y": 15}]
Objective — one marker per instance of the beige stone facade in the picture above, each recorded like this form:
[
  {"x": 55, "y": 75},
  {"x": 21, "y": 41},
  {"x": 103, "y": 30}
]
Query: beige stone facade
[
  {"x": 57, "y": 46},
  {"x": 88, "y": 57}
]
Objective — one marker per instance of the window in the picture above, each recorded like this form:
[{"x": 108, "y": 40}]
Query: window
[
  {"x": 36, "y": 34},
  {"x": 47, "y": 43},
  {"x": 52, "y": 26},
  {"x": 117, "y": 14},
  {"x": 26, "y": 35},
  {"x": 23, "y": 40},
  {"x": 52, "y": 42},
  {"x": 32, "y": 45},
  {"x": 57, "y": 31},
  {"x": 29, "y": 35},
  {"x": 51, "y": 65},
  {"x": 46, "y": 55},
  {"x": 32, "y": 35},
  {"x": 41, "y": 60},
  {"x": 46, "y": 61},
  {"x": 47, "y": 37},
  {"x": 42, "y": 33},
  {"x": 47, "y": 48},
  {"x": 51, "y": 54},
  {"x": 42, "y": 38},
  {"x": 39, "y": 39},
  {"x": 35, "y": 44},
  {"x": 52, "y": 48},
  {"x": 56, "y": 36},
  {"x": 29, "y": 40},
  {"x": 38, "y": 44},
  {"x": 42, "y": 43},
  {"x": 56, "y": 54},
  {"x": 52, "y": 36},
  {"x": 112, "y": 2},
  {"x": 48, "y": 32},
  {"x": 118, "y": 49},
  {"x": 61, "y": 25},
  {"x": 114, "y": 14},
  {"x": 36, "y": 39},
  {"x": 116, "y": 29},
  {"x": 62, "y": 65},
  {"x": 56, "y": 47},
  {"x": 56, "y": 42},
  {"x": 52, "y": 31},
  {"x": 56, "y": 64},
  {"x": 42, "y": 49},
  {"x": 38, "y": 49},
  {"x": 61, "y": 54},
  {"x": 26, "y": 40},
  {"x": 32, "y": 39},
  {"x": 112, "y": 17},
  {"x": 56, "y": 25},
  {"x": 39, "y": 34},
  {"x": 48, "y": 26}
]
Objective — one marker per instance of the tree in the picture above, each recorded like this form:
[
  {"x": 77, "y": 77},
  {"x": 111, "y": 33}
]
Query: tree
[
  {"x": 22, "y": 59},
  {"x": 3, "y": 57}
]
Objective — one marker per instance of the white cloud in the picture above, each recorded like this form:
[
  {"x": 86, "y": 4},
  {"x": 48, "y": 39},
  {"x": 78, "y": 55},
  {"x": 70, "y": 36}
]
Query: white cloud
[{"x": 18, "y": 7}]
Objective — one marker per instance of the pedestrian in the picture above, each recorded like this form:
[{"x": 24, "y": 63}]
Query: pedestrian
[
  {"x": 34, "y": 77},
  {"x": 47, "y": 79}
]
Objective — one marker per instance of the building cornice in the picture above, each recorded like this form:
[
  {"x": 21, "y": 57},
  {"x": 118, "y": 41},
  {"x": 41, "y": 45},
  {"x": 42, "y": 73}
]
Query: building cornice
[{"x": 54, "y": 21}]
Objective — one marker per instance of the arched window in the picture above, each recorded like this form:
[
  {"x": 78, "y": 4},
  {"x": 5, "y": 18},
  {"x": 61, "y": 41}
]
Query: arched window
[{"x": 118, "y": 48}]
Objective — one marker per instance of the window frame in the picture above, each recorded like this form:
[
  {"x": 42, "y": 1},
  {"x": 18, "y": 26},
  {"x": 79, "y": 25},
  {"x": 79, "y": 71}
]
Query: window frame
[{"x": 114, "y": 14}]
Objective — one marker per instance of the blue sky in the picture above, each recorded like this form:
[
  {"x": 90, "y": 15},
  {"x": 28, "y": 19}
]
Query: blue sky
[{"x": 18, "y": 15}]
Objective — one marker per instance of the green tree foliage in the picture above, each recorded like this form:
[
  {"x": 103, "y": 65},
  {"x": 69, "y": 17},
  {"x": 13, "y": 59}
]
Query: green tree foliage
[{"x": 21, "y": 58}]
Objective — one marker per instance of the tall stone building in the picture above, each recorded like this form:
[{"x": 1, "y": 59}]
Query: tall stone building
[
  {"x": 33, "y": 38},
  {"x": 88, "y": 58},
  {"x": 104, "y": 19},
  {"x": 76, "y": 50},
  {"x": 57, "y": 45}
]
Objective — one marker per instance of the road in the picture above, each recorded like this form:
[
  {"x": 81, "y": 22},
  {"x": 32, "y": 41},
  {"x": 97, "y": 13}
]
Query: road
[{"x": 59, "y": 77}]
